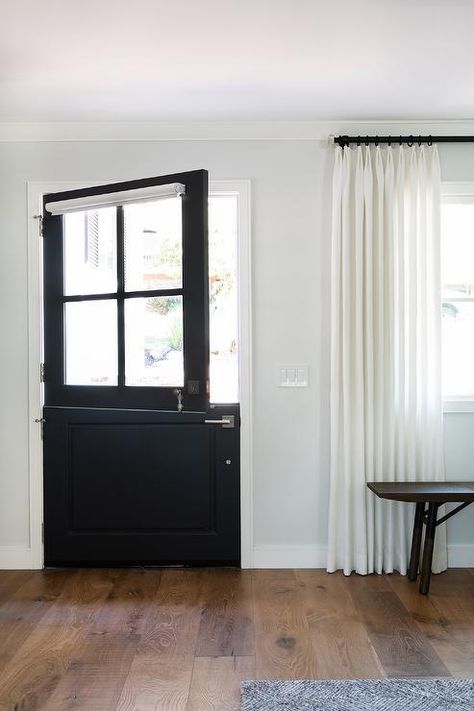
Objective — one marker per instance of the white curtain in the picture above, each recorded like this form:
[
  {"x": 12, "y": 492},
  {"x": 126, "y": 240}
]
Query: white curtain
[{"x": 386, "y": 409}]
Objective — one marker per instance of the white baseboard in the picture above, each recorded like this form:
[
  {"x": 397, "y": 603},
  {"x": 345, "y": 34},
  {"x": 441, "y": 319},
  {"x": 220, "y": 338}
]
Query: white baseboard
[
  {"x": 307, "y": 556},
  {"x": 16, "y": 558},
  {"x": 280, "y": 556},
  {"x": 264, "y": 556}
]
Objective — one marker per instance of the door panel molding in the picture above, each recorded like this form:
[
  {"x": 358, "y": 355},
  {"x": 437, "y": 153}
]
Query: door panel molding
[
  {"x": 35, "y": 193},
  {"x": 83, "y": 471}
]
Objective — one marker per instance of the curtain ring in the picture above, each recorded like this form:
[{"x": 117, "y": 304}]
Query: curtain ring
[
  {"x": 408, "y": 142},
  {"x": 419, "y": 141},
  {"x": 400, "y": 141},
  {"x": 389, "y": 142},
  {"x": 358, "y": 140},
  {"x": 429, "y": 141},
  {"x": 376, "y": 140}
]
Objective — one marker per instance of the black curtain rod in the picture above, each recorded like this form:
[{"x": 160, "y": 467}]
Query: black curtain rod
[{"x": 409, "y": 140}]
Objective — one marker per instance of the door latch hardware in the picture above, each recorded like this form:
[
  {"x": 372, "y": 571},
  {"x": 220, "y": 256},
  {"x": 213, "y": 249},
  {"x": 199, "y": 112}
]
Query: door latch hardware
[
  {"x": 227, "y": 422},
  {"x": 179, "y": 398}
]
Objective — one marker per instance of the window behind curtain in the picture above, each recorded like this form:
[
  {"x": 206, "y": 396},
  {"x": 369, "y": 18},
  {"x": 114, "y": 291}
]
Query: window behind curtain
[{"x": 457, "y": 274}]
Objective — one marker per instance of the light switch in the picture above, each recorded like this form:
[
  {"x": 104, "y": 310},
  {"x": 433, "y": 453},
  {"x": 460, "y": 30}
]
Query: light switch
[{"x": 293, "y": 376}]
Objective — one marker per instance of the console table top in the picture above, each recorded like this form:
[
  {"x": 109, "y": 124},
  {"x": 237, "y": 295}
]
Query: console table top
[{"x": 429, "y": 491}]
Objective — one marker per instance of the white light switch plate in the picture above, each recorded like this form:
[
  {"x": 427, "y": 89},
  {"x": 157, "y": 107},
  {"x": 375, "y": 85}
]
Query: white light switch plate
[{"x": 293, "y": 376}]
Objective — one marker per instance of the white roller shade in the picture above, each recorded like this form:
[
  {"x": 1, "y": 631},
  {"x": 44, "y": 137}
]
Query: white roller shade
[{"x": 123, "y": 197}]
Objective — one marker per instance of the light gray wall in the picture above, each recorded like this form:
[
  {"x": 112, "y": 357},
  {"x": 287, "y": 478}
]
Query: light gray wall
[{"x": 290, "y": 232}]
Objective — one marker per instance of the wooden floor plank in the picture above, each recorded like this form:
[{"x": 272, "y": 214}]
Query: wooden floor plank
[
  {"x": 226, "y": 625},
  {"x": 128, "y": 604},
  {"x": 11, "y": 580},
  {"x": 31, "y": 675},
  {"x": 395, "y": 636},
  {"x": 95, "y": 679},
  {"x": 436, "y": 614},
  {"x": 21, "y": 612},
  {"x": 160, "y": 675},
  {"x": 445, "y": 617},
  {"x": 283, "y": 644},
  {"x": 340, "y": 639},
  {"x": 97, "y": 675},
  {"x": 215, "y": 683}
]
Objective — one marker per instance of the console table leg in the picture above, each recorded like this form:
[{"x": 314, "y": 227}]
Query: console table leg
[
  {"x": 416, "y": 541},
  {"x": 428, "y": 548}
]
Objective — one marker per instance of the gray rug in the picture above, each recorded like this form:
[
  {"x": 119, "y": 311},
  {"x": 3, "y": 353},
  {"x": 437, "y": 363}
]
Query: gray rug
[{"x": 359, "y": 695}]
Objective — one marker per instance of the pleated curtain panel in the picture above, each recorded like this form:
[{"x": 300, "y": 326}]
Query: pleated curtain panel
[{"x": 386, "y": 406}]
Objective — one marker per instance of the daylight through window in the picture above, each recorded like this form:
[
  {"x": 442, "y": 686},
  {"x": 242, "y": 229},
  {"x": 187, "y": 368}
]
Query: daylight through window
[{"x": 457, "y": 274}]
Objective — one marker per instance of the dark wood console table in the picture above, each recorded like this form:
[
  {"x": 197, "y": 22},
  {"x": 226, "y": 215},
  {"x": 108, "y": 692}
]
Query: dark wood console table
[{"x": 428, "y": 496}]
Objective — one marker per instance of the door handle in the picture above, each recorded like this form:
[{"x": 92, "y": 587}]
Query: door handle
[{"x": 226, "y": 421}]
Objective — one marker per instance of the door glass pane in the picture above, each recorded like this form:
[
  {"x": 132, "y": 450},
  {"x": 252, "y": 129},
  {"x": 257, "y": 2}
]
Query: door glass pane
[
  {"x": 153, "y": 245},
  {"x": 90, "y": 252},
  {"x": 154, "y": 341},
  {"x": 223, "y": 302},
  {"x": 91, "y": 342}
]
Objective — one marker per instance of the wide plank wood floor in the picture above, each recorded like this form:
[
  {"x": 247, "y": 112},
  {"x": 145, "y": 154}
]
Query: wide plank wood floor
[{"x": 183, "y": 639}]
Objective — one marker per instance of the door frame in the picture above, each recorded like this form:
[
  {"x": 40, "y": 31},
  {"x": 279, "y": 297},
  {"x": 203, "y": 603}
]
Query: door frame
[{"x": 35, "y": 192}]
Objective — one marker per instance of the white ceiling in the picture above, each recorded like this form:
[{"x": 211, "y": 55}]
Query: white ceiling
[{"x": 105, "y": 60}]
